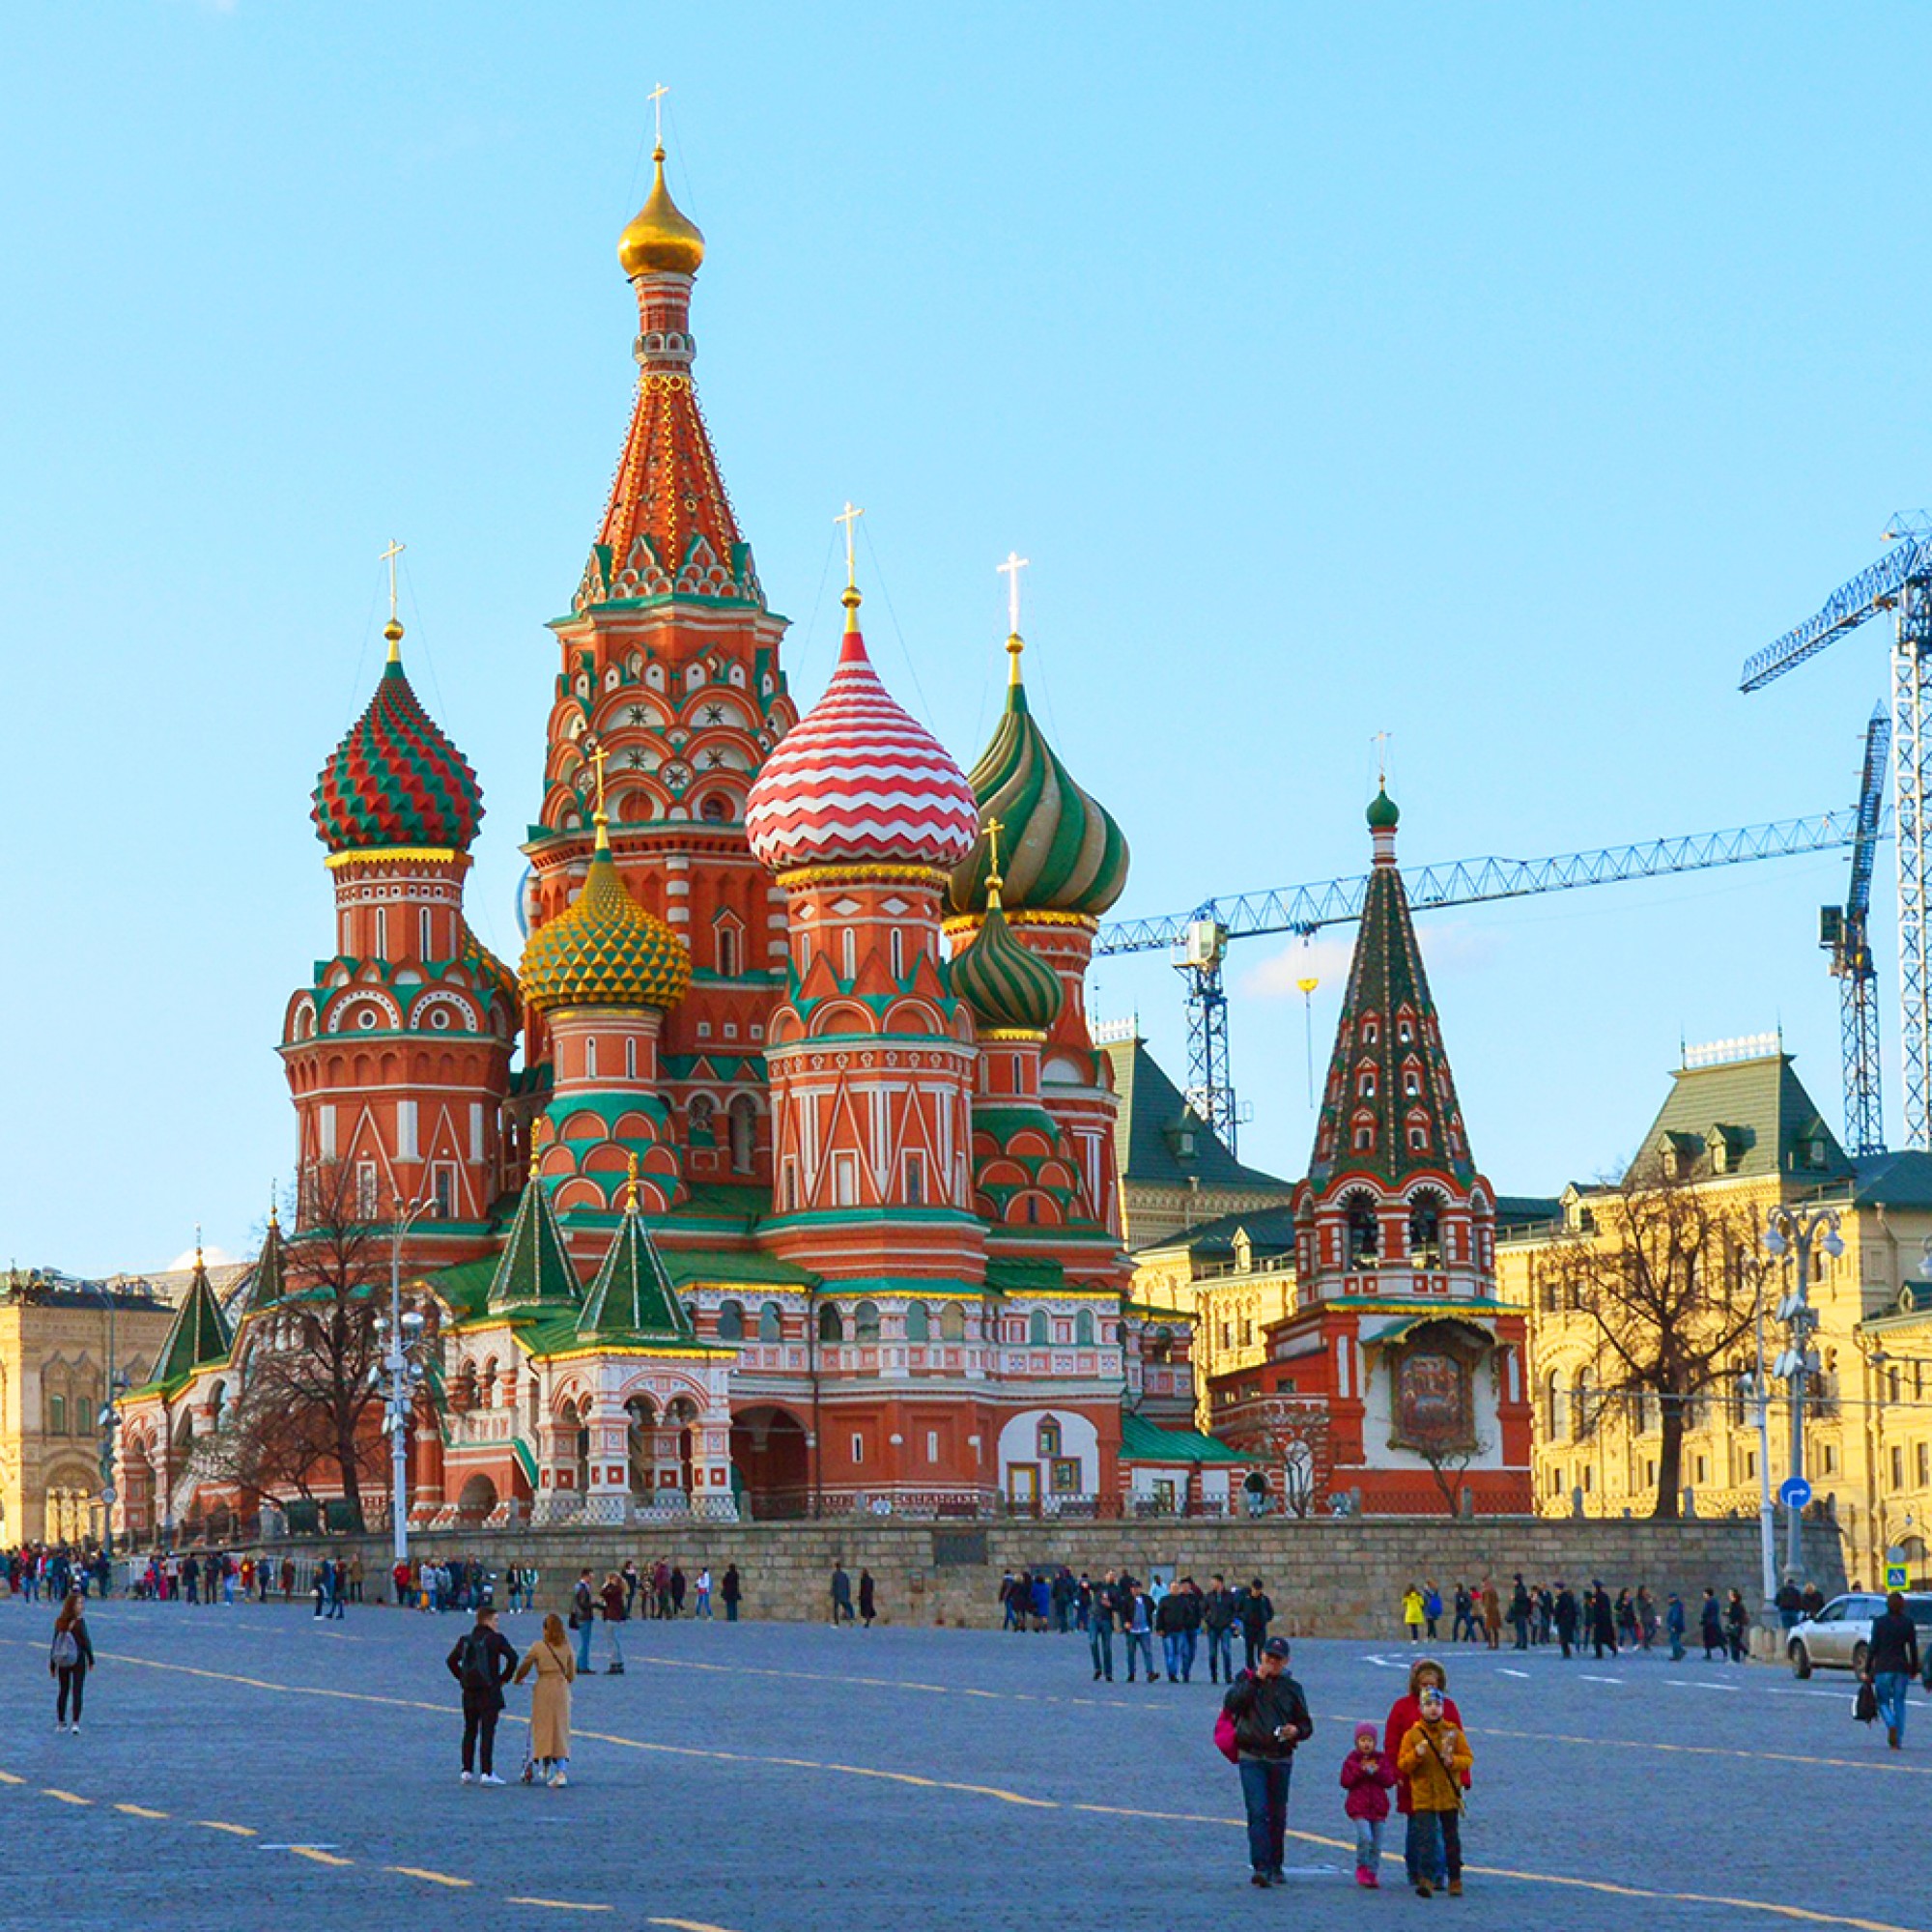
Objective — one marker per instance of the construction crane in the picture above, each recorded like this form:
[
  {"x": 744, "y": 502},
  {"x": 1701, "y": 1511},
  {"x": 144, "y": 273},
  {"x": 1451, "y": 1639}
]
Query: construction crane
[
  {"x": 1900, "y": 581},
  {"x": 1842, "y": 930},
  {"x": 1199, "y": 940}
]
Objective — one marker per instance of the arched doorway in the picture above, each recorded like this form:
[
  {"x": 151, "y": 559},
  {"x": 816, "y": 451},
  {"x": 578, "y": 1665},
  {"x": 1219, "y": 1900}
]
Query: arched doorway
[
  {"x": 768, "y": 1453},
  {"x": 641, "y": 1454},
  {"x": 476, "y": 1501},
  {"x": 681, "y": 1415}
]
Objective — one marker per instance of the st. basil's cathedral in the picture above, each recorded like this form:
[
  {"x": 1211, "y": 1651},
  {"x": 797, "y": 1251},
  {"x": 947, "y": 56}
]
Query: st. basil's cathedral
[
  {"x": 789, "y": 1205},
  {"x": 803, "y": 1194}
]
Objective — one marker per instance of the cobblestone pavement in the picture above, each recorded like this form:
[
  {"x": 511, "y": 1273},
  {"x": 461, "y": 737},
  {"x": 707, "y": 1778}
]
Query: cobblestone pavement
[{"x": 254, "y": 1767}]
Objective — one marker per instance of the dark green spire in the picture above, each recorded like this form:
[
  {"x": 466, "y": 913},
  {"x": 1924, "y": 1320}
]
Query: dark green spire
[
  {"x": 632, "y": 1298},
  {"x": 535, "y": 1270},
  {"x": 269, "y": 1283},
  {"x": 200, "y": 1335}
]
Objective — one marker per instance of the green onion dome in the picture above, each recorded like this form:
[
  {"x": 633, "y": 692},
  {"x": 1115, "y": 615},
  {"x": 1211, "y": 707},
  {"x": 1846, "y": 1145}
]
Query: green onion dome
[
  {"x": 1063, "y": 852},
  {"x": 1005, "y": 983},
  {"x": 395, "y": 780},
  {"x": 1383, "y": 812},
  {"x": 605, "y": 949}
]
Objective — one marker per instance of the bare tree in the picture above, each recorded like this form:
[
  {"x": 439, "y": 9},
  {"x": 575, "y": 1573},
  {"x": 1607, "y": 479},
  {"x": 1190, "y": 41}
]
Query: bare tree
[
  {"x": 1448, "y": 1462},
  {"x": 299, "y": 1419},
  {"x": 1662, "y": 1282},
  {"x": 1290, "y": 1435}
]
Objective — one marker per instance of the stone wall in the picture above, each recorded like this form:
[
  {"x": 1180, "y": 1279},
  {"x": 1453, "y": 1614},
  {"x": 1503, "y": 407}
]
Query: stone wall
[{"x": 1327, "y": 1578}]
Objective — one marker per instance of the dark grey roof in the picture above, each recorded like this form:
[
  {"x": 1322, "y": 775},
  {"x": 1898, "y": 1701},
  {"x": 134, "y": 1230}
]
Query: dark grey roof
[
  {"x": 1901, "y": 1179},
  {"x": 1525, "y": 1211},
  {"x": 1270, "y": 1230},
  {"x": 1148, "y": 1127}
]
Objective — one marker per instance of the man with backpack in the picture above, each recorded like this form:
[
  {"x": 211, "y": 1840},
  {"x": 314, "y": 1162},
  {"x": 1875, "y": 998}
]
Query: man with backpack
[
  {"x": 482, "y": 1661},
  {"x": 1267, "y": 1715}
]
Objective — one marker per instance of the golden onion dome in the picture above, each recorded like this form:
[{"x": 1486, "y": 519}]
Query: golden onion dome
[
  {"x": 605, "y": 949},
  {"x": 661, "y": 239}
]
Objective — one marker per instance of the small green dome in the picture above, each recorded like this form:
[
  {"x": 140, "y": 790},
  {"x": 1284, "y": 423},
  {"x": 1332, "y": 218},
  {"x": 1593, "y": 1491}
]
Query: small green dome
[
  {"x": 1006, "y": 984},
  {"x": 1383, "y": 813}
]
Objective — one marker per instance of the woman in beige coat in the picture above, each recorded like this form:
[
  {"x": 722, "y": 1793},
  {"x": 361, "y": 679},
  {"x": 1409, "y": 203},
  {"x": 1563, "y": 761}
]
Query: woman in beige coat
[{"x": 550, "y": 1701}]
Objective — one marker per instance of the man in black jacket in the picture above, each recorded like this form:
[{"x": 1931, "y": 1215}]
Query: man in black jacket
[
  {"x": 1892, "y": 1663},
  {"x": 1567, "y": 1613},
  {"x": 1100, "y": 1614},
  {"x": 1170, "y": 1621},
  {"x": 1217, "y": 1615},
  {"x": 1257, "y": 1612},
  {"x": 482, "y": 1661},
  {"x": 1271, "y": 1718}
]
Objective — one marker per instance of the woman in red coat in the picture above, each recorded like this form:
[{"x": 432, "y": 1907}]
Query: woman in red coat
[{"x": 1403, "y": 1713}]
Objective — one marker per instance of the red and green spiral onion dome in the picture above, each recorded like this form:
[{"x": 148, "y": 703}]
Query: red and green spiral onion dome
[
  {"x": 604, "y": 949},
  {"x": 396, "y": 779},
  {"x": 1059, "y": 851},
  {"x": 1008, "y": 986},
  {"x": 856, "y": 780}
]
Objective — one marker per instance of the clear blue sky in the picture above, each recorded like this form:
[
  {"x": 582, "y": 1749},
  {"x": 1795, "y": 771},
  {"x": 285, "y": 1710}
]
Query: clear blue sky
[{"x": 1496, "y": 377}]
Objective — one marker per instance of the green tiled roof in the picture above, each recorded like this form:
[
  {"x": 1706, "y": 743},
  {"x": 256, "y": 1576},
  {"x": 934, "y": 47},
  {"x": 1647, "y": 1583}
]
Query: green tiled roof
[
  {"x": 1145, "y": 1441},
  {"x": 1148, "y": 1127},
  {"x": 1271, "y": 1232},
  {"x": 268, "y": 1282},
  {"x": 535, "y": 1271},
  {"x": 632, "y": 1298},
  {"x": 733, "y": 1267},
  {"x": 200, "y": 1334},
  {"x": 1755, "y": 1115},
  {"x": 1011, "y": 1276}
]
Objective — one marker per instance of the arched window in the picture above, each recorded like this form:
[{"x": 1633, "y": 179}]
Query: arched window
[
  {"x": 770, "y": 1323},
  {"x": 1555, "y": 1415},
  {"x": 490, "y": 1391},
  {"x": 953, "y": 1323},
  {"x": 866, "y": 1322},
  {"x": 1424, "y": 1230},
  {"x": 1036, "y": 1328},
  {"x": 830, "y": 1327},
  {"x": 1047, "y": 1438},
  {"x": 1365, "y": 1232},
  {"x": 1161, "y": 1346},
  {"x": 728, "y": 947},
  {"x": 730, "y": 1322},
  {"x": 919, "y": 1325},
  {"x": 1579, "y": 1403},
  {"x": 1083, "y": 1329},
  {"x": 701, "y": 1113},
  {"x": 744, "y": 1112}
]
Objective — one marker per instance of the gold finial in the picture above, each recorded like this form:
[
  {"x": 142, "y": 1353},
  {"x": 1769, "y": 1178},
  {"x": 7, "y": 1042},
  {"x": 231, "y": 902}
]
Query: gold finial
[
  {"x": 197, "y": 1247},
  {"x": 536, "y": 1144},
  {"x": 993, "y": 879},
  {"x": 274, "y": 1212},
  {"x": 630, "y": 1205},
  {"x": 656, "y": 98},
  {"x": 1380, "y": 742},
  {"x": 394, "y": 630}
]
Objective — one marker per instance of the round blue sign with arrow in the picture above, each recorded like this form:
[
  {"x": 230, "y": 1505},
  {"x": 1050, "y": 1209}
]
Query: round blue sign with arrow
[{"x": 1794, "y": 1492}]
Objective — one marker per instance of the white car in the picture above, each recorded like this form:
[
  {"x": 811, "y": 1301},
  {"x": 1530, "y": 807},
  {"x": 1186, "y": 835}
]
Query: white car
[{"x": 1835, "y": 1639}]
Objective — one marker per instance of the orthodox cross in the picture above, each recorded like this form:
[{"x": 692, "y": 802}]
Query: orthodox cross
[
  {"x": 1011, "y": 571},
  {"x": 993, "y": 830},
  {"x": 598, "y": 758},
  {"x": 389, "y": 556},
  {"x": 849, "y": 517},
  {"x": 1380, "y": 741},
  {"x": 656, "y": 98}
]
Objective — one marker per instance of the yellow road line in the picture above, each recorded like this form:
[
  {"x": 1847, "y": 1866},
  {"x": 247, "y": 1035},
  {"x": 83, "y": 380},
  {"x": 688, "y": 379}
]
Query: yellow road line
[
  {"x": 432, "y": 1877},
  {"x": 140, "y": 1811},
  {"x": 320, "y": 1858},
  {"x": 65, "y": 1796},
  {"x": 1705, "y": 1751},
  {"x": 575, "y": 1905},
  {"x": 688, "y": 1924},
  {"x": 238, "y": 1831},
  {"x": 8, "y": 1778}
]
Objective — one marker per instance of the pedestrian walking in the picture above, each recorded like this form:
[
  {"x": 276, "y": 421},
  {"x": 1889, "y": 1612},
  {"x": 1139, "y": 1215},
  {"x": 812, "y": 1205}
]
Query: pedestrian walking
[
  {"x": 1432, "y": 1607},
  {"x": 1412, "y": 1607},
  {"x": 550, "y": 1660},
  {"x": 288, "y": 1578},
  {"x": 582, "y": 1616},
  {"x": 1218, "y": 1619},
  {"x": 1674, "y": 1625},
  {"x": 615, "y": 1615},
  {"x": 1426, "y": 1673},
  {"x": 841, "y": 1596},
  {"x": 1169, "y": 1622},
  {"x": 71, "y": 1657},
  {"x": 1519, "y": 1611},
  {"x": 1138, "y": 1618},
  {"x": 869, "y": 1598},
  {"x": 482, "y": 1661},
  {"x": 631, "y": 1579},
  {"x": 1567, "y": 1613},
  {"x": 1257, "y": 1613},
  {"x": 677, "y": 1590},
  {"x": 732, "y": 1590},
  {"x": 1710, "y": 1625},
  {"x": 702, "y": 1608},
  {"x": 1270, "y": 1719},
  {"x": 1464, "y": 1630},
  {"x": 1434, "y": 1759},
  {"x": 1492, "y": 1617},
  {"x": 1368, "y": 1777},
  {"x": 1737, "y": 1627},
  {"x": 1790, "y": 1602},
  {"x": 1892, "y": 1663},
  {"x": 1603, "y": 1621}
]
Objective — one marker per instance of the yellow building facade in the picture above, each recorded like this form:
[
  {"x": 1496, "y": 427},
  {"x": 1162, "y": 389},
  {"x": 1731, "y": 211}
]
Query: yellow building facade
[
  {"x": 1740, "y": 1128},
  {"x": 59, "y": 1343}
]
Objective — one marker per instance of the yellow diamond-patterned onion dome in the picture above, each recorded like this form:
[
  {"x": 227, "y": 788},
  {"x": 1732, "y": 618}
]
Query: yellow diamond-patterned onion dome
[
  {"x": 661, "y": 239},
  {"x": 605, "y": 950}
]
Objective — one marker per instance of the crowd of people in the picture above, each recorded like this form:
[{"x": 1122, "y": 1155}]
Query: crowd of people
[
  {"x": 52, "y": 1570},
  {"x": 1537, "y": 1614},
  {"x": 1159, "y": 1624}
]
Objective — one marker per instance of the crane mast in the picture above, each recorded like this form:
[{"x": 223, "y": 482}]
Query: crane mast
[{"x": 1844, "y": 930}]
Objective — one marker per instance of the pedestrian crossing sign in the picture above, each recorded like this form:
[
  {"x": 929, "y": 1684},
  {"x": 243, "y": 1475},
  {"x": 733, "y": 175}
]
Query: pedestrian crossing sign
[{"x": 1894, "y": 1568}]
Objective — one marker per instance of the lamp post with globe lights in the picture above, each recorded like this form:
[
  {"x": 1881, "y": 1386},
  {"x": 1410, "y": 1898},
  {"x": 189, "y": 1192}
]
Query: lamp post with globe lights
[
  {"x": 1791, "y": 1231},
  {"x": 399, "y": 1374}
]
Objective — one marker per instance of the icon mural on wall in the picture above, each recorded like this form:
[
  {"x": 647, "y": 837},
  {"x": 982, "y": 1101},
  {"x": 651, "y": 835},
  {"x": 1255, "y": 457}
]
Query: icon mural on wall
[{"x": 1431, "y": 1408}]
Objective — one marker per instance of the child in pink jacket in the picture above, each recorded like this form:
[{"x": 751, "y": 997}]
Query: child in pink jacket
[{"x": 1368, "y": 1777}]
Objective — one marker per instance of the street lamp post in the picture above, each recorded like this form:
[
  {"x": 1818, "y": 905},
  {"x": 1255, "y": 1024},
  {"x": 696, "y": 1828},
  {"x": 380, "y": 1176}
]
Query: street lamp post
[
  {"x": 1756, "y": 1389},
  {"x": 400, "y": 1374},
  {"x": 1790, "y": 1231}
]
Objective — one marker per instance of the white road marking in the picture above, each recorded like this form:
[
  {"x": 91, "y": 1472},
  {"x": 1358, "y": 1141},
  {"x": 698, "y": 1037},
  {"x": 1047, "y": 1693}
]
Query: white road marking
[
  {"x": 1586, "y": 1676},
  {"x": 1508, "y": 1672}
]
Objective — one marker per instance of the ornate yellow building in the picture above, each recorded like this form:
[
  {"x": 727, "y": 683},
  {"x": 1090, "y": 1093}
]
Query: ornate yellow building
[
  {"x": 1738, "y": 1125},
  {"x": 57, "y": 1342}
]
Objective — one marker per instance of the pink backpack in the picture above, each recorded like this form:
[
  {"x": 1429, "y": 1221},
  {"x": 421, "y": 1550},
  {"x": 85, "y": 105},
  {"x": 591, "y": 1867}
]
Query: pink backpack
[{"x": 1224, "y": 1738}]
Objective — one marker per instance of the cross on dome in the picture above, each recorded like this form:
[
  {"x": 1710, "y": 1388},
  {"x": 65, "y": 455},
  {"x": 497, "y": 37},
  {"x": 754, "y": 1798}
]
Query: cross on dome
[
  {"x": 1011, "y": 571},
  {"x": 849, "y": 516}
]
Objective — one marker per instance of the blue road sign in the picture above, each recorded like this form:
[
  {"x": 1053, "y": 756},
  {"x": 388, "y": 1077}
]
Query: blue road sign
[{"x": 1794, "y": 1492}]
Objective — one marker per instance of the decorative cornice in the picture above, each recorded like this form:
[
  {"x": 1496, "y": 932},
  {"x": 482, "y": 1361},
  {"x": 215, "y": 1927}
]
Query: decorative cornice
[
  {"x": 401, "y": 855},
  {"x": 802, "y": 878}
]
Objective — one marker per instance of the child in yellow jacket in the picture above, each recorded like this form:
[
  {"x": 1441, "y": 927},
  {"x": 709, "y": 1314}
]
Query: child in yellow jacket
[{"x": 1434, "y": 1757}]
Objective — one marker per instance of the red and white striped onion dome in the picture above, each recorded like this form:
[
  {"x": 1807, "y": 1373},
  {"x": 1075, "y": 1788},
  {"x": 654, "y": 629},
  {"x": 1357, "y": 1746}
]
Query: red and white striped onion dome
[{"x": 858, "y": 781}]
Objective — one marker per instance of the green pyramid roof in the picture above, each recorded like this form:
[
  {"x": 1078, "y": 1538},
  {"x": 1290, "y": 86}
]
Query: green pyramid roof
[
  {"x": 269, "y": 1283},
  {"x": 1389, "y": 1072},
  {"x": 200, "y": 1334},
  {"x": 632, "y": 1298},
  {"x": 535, "y": 1270}
]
